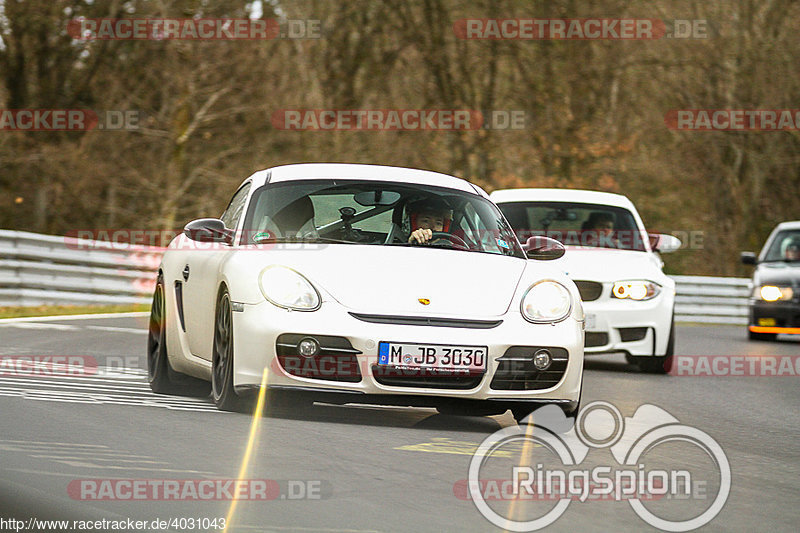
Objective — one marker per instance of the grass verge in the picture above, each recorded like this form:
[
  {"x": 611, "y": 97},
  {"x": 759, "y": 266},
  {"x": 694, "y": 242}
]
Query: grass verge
[{"x": 51, "y": 310}]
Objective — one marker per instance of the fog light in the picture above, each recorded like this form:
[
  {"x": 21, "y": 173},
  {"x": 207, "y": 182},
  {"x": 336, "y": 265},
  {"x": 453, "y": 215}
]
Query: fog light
[
  {"x": 542, "y": 360},
  {"x": 308, "y": 347}
]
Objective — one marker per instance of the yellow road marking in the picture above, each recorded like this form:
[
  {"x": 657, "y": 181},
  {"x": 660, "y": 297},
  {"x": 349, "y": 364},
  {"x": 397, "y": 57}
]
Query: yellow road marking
[
  {"x": 524, "y": 460},
  {"x": 458, "y": 447},
  {"x": 250, "y": 443}
]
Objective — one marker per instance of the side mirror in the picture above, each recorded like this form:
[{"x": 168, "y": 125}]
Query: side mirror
[
  {"x": 748, "y": 258},
  {"x": 543, "y": 248},
  {"x": 208, "y": 230},
  {"x": 664, "y": 243}
]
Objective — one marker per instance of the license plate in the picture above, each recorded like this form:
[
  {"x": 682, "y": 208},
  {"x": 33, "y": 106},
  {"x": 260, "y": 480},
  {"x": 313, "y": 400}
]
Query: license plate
[
  {"x": 766, "y": 321},
  {"x": 439, "y": 356},
  {"x": 591, "y": 321}
]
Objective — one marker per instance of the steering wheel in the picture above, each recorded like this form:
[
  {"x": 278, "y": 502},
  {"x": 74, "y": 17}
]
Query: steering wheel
[{"x": 453, "y": 240}]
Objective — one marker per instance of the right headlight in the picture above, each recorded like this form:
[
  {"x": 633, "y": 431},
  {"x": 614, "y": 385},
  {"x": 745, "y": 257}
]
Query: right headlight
[
  {"x": 286, "y": 288},
  {"x": 546, "y": 301},
  {"x": 635, "y": 290},
  {"x": 772, "y": 293}
]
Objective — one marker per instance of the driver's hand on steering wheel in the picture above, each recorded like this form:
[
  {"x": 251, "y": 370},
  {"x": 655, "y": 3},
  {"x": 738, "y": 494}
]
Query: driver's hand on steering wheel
[{"x": 420, "y": 236}]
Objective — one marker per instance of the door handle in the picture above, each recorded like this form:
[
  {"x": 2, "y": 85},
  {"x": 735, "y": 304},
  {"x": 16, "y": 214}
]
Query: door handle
[{"x": 186, "y": 273}]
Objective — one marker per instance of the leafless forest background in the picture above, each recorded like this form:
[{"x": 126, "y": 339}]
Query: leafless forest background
[{"x": 595, "y": 110}]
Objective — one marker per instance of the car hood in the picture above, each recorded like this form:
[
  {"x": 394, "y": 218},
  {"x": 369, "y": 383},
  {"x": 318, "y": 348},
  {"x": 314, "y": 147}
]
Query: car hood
[
  {"x": 777, "y": 273},
  {"x": 390, "y": 280},
  {"x": 609, "y": 264}
]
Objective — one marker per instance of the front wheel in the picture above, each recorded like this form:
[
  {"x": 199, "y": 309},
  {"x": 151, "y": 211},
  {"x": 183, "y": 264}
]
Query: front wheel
[
  {"x": 163, "y": 379},
  {"x": 222, "y": 391}
]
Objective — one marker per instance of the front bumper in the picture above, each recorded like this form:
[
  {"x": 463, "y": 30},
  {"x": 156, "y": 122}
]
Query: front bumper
[
  {"x": 774, "y": 317},
  {"x": 634, "y": 327},
  {"x": 258, "y": 328}
]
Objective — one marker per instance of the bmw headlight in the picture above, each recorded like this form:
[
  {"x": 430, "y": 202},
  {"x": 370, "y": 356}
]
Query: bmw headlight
[
  {"x": 635, "y": 290},
  {"x": 771, "y": 293},
  {"x": 286, "y": 288},
  {"x": 546, "y": 301}
]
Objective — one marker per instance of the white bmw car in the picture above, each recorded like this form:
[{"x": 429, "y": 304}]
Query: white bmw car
[
  {"x": 312, "y": 274},
  {"x": 628, "y": 300}
]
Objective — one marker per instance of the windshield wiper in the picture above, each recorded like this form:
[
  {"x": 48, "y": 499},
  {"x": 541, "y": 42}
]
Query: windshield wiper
[{"x": 328, "y": 240}]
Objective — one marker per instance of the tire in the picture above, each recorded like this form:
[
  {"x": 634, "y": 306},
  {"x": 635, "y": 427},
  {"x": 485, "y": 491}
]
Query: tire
[
  {"x": 753, "y": 336},
  {"x": 660, "y": 364},
  {"x": 222, "y": 390},
  {"x": 162, "y": 378}
]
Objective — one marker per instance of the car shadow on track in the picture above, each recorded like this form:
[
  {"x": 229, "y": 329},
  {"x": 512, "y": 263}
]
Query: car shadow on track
[
  {"x": 412, "y": 418},
  {"x": 610, "y": 363}
]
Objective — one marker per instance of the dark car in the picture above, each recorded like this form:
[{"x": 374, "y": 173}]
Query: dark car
[{"x": 775, "y": 299}]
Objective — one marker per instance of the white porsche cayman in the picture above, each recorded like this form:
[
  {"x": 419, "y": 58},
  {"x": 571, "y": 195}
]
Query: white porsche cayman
[
  {"x": 629, "y": 301},
  {"x": 312, "y": 274}
]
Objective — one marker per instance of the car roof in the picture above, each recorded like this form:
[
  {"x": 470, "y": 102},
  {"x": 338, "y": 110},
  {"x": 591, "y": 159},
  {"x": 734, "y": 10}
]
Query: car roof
[
  {"x": 789, "y": 224},
  {"x": 561, "y": 195},
  {"x": 310, "y": 171}
]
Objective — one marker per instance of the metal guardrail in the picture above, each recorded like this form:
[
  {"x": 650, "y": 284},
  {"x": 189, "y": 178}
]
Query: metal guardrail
[
  {"x": 49, "y": 270},
  {"x": 711, "y": 299},
  {"x": 45, "y": 270}
]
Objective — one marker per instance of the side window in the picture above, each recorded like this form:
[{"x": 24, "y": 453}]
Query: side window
[
  {"x": 234, "y": 211},
  {"x": 474, "y": 230}
]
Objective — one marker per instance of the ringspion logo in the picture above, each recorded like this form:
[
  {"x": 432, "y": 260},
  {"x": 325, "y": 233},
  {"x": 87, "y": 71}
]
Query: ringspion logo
[{"x": 599, "y": 425}]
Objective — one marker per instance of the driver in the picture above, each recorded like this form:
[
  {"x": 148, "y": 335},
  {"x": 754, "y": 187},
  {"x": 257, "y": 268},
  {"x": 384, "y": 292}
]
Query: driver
[
  {"x": 792, "y": 251},
  {"x": 598, "y": 230},
  {"x": 427, "y": 217}
]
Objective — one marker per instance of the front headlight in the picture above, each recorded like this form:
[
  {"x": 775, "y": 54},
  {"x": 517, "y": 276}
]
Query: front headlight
[
  {"x": 771, "y": 293},
  {"x": 546, "y": 301},
  {"x": 635, "y": 290},
  {"x": 286, "y": 288}
]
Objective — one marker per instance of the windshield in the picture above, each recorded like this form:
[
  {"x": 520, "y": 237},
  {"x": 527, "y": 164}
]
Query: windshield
[
  {"x": 785, "y": 247},
  {"x": 378, "y": 214},
  {"x": 575, "y": 224}
]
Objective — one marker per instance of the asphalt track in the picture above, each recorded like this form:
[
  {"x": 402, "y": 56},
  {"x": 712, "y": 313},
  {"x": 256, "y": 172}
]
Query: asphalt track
[{"x": 370, "y": 468}]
